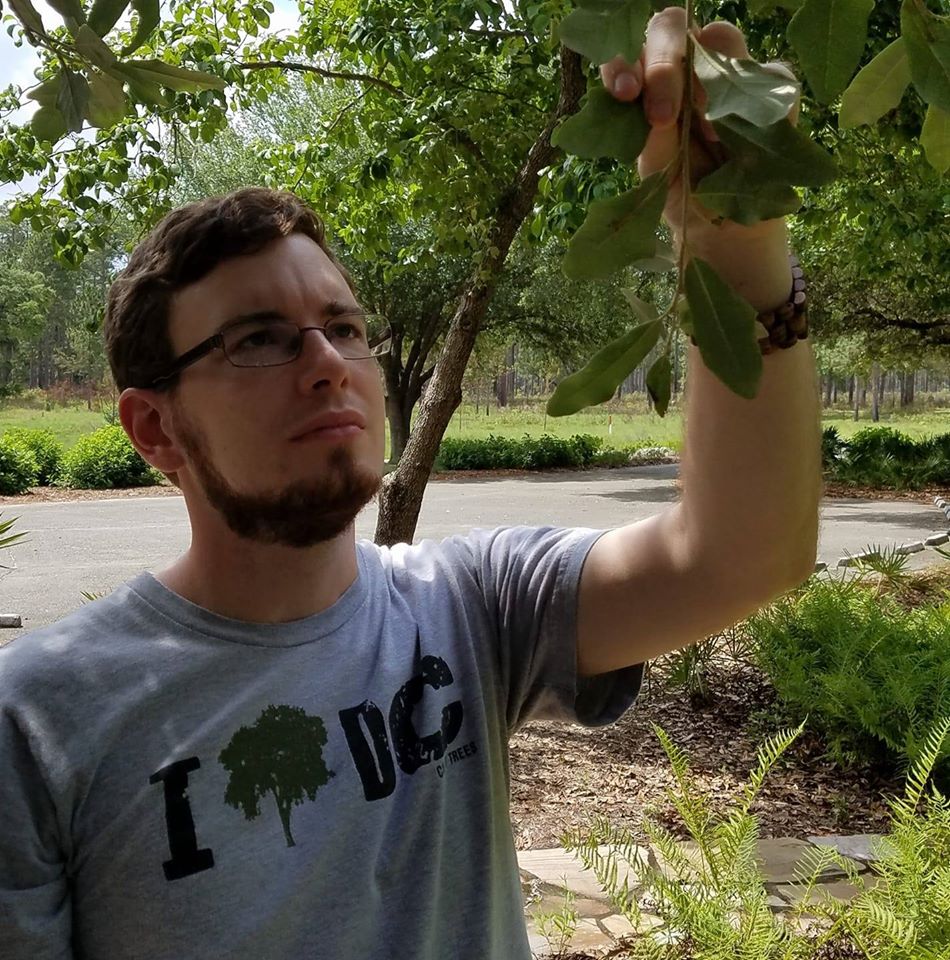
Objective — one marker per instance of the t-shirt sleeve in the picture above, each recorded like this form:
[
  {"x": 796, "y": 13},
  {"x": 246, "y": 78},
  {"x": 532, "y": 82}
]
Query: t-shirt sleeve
[
  {"x": 35, "y": 909},
  {"x": 530, "y": 577}
]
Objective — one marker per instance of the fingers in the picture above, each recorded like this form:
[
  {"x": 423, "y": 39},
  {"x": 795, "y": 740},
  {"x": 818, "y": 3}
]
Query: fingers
[
  {"x": 624, "y": 80},
  {"x": 663, "y": 56},
  {"x": 724, "y": 38}
]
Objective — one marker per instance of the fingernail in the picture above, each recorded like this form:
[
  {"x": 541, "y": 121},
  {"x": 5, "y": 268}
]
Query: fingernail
[
  {"x": 625, "y": 86},
  {"x": 660, "y": 111}
]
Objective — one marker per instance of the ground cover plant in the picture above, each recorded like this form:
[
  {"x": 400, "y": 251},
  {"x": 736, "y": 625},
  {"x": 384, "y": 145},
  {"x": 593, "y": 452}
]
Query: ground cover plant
[
  {"x": 715, "y": 903},
  {"x": 872, "y": 676}
]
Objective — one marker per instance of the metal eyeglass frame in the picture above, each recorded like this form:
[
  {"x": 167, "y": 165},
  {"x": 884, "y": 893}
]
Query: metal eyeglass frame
[{"x": 216, "y": 342}]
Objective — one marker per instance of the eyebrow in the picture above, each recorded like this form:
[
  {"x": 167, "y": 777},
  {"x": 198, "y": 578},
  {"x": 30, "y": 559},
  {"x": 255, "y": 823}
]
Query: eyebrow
[{"x": 333, "y": 308}]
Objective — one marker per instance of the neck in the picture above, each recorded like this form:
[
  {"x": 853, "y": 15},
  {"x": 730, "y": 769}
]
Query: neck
[{"x": 262, "y": 583}]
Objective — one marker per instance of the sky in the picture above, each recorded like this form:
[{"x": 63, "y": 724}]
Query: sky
[{"x": 18, "y": 63}]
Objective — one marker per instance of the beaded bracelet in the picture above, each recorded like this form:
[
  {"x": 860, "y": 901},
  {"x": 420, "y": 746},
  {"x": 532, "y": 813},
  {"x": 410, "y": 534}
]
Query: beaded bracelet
[{"x": 787, "y": 324}]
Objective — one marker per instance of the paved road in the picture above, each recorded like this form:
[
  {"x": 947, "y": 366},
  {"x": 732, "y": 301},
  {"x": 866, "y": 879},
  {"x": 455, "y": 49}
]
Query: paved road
[{"x": 94, "y": 545}]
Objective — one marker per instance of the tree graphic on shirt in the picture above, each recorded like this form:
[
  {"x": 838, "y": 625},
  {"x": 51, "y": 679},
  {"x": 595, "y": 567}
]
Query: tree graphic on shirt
[{"x": 281, "y": 755}]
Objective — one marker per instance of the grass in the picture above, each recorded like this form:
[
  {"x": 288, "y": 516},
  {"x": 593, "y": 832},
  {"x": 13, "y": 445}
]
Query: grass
[
  {"x": 642, "y": 428},
  {"x": 67, "y": 423},
  {"x": 630, "y": 424}
]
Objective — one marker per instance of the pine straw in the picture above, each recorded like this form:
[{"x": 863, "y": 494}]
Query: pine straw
[{"x": 562, "y": 777}]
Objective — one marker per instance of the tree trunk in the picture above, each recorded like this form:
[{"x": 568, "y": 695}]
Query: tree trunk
[
  {"x": 877, "y": 389},
  {"x": 398, "y": 413},
  {"x": 829, "y": 379},
  {"x": 857, "y": 396},
  {"x": 908, "y": 382},
  {"x": 401, "y": 496},
  {"x": 501, "y": 389}
]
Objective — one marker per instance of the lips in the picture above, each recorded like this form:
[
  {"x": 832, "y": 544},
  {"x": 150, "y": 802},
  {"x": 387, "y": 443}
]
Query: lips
[{"x": 331, "y": 421}]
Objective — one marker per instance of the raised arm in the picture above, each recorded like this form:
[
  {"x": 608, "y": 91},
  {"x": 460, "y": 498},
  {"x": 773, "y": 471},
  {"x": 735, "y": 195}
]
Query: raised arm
[{"x": 745, "y": 530}]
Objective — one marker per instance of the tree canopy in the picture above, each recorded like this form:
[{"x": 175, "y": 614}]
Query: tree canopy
[{"x": 442, "y": 116}]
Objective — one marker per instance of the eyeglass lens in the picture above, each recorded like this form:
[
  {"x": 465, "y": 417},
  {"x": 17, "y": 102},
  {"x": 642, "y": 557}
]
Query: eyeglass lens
[{"x": 267, "y": 343}]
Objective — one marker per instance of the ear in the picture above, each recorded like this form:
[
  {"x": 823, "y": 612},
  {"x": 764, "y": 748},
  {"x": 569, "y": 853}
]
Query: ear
[{"x": 144, "y": 415}]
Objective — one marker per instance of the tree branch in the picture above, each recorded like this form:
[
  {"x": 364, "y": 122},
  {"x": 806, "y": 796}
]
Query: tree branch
[{"x": 322, "y": 72}]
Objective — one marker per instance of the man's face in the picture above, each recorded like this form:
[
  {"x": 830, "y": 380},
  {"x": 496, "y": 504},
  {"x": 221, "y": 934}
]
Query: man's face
[{"x": 245, "y": 432}]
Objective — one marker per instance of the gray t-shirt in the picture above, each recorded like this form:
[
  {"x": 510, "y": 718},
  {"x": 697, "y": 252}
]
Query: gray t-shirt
[{"x": 176, "y": 784}]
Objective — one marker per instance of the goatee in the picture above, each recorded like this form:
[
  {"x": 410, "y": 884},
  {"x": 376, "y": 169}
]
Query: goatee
[{"x": 301, "y": 515}]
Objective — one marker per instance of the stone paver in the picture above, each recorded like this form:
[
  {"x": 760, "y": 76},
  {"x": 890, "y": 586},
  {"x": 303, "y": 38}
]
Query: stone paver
[
  {"x": 550, "y": 873},
  {"x": 863, "y": 848}
]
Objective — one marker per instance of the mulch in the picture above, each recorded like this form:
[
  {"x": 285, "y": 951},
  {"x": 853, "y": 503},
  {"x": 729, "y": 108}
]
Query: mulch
[{"x": 563, "y": 777}]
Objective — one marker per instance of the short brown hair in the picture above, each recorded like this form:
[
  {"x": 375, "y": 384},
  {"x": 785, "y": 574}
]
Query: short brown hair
[{"x": 184, "y": 247}]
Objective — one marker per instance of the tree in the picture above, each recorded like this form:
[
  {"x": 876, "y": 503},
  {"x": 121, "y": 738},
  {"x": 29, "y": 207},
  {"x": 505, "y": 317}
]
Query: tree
[
  {"x": 281, "y": 755},
  {"x": 24, "y": 298},
  {"x": 459, "y": 101}
]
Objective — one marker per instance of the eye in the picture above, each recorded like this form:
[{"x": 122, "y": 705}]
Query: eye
[
  {"x": 343, "y": 330},
  {"x": 253, "y": 338}
]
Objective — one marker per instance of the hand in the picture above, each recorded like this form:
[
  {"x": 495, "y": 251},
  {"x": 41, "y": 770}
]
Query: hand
[{"x": 658, "y": 77}]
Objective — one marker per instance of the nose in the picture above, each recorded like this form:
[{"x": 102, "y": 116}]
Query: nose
[{"x": 319, "y": 362}]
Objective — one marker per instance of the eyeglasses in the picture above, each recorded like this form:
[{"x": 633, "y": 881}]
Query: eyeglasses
[{"x": 274, "y": 341}]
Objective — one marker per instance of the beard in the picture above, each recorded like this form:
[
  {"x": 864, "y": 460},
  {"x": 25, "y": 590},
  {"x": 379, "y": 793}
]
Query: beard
[{"x": 302, "y": 514}]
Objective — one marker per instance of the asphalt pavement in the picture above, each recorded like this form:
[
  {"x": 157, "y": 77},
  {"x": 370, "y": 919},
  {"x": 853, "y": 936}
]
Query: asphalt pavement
[{"x": 94, "y": 545}]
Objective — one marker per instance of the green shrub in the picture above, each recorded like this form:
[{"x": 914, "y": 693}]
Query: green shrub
[
  {"x": 832, "y": 446},
  {"x": 528, "y": 453},
  {"x": 612, "y": 457},
  {"x": 886, "y": 458},
  {"x": 106, "y": 459},
  {"x": 18, "y": 468},
  {"x": 872, "y": 676},
  {"x": 47, "y": 450}
]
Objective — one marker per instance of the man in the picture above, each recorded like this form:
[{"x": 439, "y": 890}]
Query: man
[{"x": 288, "y": 744}]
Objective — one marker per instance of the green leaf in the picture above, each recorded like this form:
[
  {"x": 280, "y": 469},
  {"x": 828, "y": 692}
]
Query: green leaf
[
  {"x": 149, "y": 12},
  {"x": 662, "y": 261},
  {"x": 107, "y": 103},
  {"x": 105, "y": 15},
  {"x": 878, "y": 88},
  {"x": 829, "y": 38},
  {"x": 47, "y": 93},
  {"x": 644, "y": 311},
  {"x": 605, "y": 371},
  {"x": 617, "y": 231},
  {"x": 142, "y": 87},
  {"x": 94, "y": 49},
  {"x": 175, "y": 78},
  {"x": 781, "y": 151},
  {"x": 659, "y": 384},
  {"x": 740, "y": 193},
  {"x": 48, "y": 124},
  {"x": 744, "y": 88},
  {"x": 27, "y": 14},
  {"x": 73, "y": 99},
  {"x": 604, "y": 127},
  {"x": 724, "y": 328},
  {"x": 603, "y": 29},
  {"x": 935, "y": 138},
  {"x": 928, "y": 48}
]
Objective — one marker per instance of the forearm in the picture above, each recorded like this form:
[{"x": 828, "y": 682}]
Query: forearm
[{"x": 751, "y": 469}]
